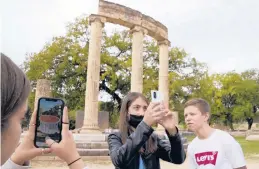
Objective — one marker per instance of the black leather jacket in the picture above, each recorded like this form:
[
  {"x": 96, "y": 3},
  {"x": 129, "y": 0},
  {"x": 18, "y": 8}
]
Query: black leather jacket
[{"x": 126, "y": 156}]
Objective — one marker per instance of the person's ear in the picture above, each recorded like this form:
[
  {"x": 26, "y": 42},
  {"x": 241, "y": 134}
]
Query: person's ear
[{"x": 207, "y": 117}]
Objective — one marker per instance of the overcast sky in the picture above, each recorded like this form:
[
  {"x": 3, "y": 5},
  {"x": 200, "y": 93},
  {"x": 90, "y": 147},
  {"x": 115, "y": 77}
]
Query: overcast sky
[{"x": 222, "y": 33}]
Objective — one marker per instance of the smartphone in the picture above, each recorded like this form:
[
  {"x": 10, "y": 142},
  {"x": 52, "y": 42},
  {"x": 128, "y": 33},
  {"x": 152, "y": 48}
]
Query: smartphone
[
  {"x": 48, "y": 121},
  {"x": 156, "y": 96}
]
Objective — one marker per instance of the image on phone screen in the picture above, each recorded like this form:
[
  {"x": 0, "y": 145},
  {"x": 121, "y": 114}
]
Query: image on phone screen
[{"x": 49, "y": 121}]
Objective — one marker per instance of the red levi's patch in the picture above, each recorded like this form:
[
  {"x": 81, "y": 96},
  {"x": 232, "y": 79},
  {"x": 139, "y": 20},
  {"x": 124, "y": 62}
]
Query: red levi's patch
[{"x": 205, "y": 158}]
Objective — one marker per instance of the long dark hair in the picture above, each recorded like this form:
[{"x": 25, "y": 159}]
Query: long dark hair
[
  {"x": 15, "y": 89},
  {"x": 124, "y": 127}
]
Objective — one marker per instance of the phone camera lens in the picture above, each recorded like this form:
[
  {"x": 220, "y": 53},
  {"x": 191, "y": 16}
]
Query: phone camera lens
[{"x": 154, "y": 94}]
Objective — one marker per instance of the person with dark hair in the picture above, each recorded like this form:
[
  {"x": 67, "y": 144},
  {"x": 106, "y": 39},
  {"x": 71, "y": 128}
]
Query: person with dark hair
[
  {"x": 211, "y": 148},
  {"x": 135, "y": 146},
  {"x": 15, "y": 89}
]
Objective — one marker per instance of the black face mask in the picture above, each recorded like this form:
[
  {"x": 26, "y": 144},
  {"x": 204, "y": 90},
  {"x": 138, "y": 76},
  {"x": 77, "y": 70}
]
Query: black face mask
[{"x": 134, "y": 120}]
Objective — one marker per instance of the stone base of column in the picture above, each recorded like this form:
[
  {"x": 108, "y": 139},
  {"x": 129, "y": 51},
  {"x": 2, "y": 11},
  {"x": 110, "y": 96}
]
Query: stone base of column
[{"x": 91, "y": 130}]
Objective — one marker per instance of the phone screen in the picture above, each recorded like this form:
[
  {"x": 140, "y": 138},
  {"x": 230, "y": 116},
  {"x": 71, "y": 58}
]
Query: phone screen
[{"x": 49, "y": 120}]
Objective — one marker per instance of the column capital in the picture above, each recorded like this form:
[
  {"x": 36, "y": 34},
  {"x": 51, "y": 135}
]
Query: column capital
[
  {"x": 138, "y": 29},
  {"x": 97, "y": 18},
  {"x": 164, "y": 42}
]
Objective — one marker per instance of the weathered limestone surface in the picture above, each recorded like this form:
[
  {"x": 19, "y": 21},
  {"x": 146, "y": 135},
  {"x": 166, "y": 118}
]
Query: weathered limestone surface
[
  {"x": 93, "y": 74},
  {"x": 43, "y": 89},
  {"x": 137, "y": 59},
  {"x": 125, "y": 16}
]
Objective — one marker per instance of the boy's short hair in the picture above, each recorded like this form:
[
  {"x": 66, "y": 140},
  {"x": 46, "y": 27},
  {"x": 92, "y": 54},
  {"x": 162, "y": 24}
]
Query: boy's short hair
[{"x": 201, "y": 104}]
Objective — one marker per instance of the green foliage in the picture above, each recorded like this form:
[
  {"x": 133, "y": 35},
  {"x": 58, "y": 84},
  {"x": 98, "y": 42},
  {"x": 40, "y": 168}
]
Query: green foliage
[
  {"x": 114, "y": 120},
  {"x": 232, "y": 96}
]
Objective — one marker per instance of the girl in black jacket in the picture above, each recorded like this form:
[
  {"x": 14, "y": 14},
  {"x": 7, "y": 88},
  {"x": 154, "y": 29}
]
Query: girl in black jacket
[{"x": 135, "y": 146}]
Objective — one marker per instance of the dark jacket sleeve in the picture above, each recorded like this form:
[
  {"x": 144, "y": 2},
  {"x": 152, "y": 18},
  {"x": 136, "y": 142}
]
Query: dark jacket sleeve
[
  {"x": 122, "y": 154},
  {"x": 171, "y": 150}
]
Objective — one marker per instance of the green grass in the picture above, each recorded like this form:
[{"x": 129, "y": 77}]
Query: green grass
[{"x": 250, "y": 148}]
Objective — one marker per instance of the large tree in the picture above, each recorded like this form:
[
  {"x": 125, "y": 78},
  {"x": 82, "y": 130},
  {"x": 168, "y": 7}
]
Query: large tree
[
  {"x": 239, "y": 98},
  {"x": 232, "y": 96},
  {"x": 64, "y": 62}
]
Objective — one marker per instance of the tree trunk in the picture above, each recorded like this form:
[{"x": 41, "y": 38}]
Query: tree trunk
[
  {"x": 250, "y": 121},
  {"x": 111, "y": 92},
  {"x": 229, "y": 120},
  {"x": 231, "y": 125}
]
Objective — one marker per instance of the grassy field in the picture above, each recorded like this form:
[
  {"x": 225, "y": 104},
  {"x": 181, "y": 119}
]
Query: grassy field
[{"x": 250, "y": 148}]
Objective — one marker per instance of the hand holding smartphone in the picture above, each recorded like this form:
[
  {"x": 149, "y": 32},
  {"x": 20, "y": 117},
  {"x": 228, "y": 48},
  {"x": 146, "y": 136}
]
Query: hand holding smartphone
[{"x": 48, "y": 121}]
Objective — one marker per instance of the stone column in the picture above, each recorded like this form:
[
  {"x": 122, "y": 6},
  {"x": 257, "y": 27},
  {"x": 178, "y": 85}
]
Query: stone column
[
  {"x": 137, "y": 59},
  {"x": 163, "y": 69},
  {"x": 43, "y": 89},
  {"x": 176, "y": 117},
  {"x": 93, "y": 74},
  {"x": 163, "y": 86}
]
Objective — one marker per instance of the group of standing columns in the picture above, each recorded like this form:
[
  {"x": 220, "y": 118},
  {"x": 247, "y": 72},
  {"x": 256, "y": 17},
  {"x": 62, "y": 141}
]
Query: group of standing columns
[
  {"x": 138, "y": 35},
  {"x": 93, "y": 70}
]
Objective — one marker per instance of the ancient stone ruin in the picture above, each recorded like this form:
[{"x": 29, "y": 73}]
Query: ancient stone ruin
[
  {"x": 139, "y": 25},
  {"x": 89, "y": 139}
]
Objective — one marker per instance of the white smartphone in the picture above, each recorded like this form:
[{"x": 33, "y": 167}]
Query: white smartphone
[{"x": 156, "y": 96}]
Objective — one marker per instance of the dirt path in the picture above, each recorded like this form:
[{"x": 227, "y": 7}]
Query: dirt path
[{"x": 251, "y": 164}]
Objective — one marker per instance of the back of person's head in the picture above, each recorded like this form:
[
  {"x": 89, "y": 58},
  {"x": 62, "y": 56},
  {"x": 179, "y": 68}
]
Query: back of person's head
[
  {"x": 201, "y": 104},
  {"x": 15, "y": 88}
]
